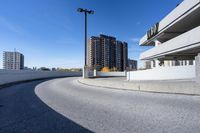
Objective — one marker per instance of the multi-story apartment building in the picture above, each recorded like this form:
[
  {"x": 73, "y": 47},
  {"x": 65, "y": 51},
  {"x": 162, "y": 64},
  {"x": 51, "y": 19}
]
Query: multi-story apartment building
[
  {"x": 106, "y": 51},
  {"x": 125, "y": 55},
  {"x": 112, "y": 43},
  {"x": 94, "y": 57},
  {"x": 13, "y": 61},
  {"x": 119, "y": 55}
]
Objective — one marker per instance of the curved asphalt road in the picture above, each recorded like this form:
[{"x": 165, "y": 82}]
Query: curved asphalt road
[
  {"x": 118, "y": 111},
  {"x": 72, "y": 107},
  {"x": 21, "y": 111}
]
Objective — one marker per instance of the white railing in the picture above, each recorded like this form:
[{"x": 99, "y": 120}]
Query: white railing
[{"x": 163, "y": 73}]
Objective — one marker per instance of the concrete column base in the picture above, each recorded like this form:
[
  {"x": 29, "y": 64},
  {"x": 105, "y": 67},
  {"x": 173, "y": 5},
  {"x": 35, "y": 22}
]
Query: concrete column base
[
  {"x": 197, "y": 67},
  {"x": 85, "y": 72},
  {"x": 95, "y": 72}
]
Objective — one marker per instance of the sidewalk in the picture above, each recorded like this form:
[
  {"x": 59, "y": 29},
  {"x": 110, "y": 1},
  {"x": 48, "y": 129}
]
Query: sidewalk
[{"x": 188, "y": 87}]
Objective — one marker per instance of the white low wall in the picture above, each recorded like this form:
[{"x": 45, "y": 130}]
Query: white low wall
[
  {"x": 163, "y": 73},
  {"x": 9, "y": 76},
  {"x": 111, "y": 74}
]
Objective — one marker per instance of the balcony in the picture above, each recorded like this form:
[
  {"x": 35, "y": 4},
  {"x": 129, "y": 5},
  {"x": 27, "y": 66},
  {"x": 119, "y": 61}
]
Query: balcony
[{"x": 185, "y": 44}]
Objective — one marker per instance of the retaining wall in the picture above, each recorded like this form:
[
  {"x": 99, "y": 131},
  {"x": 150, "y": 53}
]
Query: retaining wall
[
  {"x": 163, "y": 73},
  {"x": 10, "y": 76},
  {"x": 111, "y": 74}
]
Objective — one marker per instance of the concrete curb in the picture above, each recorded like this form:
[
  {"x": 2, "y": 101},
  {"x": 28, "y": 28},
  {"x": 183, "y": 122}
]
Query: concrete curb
[
  {"x": 184, "y": 88},
  {"x": 30, "y": 80}
]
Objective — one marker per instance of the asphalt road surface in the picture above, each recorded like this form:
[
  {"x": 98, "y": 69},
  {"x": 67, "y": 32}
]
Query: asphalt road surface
[
  {"x": 64, "y": 105},
  {"x": 21, "y": 111}
]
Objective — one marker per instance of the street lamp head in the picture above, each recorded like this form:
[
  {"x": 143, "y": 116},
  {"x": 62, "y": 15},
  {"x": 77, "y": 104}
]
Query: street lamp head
[
  {"x": 85, "y": 10},
  {"x": 80, "y": 10},
  {"x": 91, "y": 12}
]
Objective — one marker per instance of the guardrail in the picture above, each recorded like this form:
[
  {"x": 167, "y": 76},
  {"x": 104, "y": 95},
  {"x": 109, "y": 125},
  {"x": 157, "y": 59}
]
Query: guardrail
[
  {"x": 10, "y": 76},
  {"x": 111, "y": 74},
  {"x": 163, "y": 73}
]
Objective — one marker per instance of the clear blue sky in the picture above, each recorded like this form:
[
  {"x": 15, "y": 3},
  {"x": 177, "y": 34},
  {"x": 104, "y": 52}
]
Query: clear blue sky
[{"x": 50, "y": 32}]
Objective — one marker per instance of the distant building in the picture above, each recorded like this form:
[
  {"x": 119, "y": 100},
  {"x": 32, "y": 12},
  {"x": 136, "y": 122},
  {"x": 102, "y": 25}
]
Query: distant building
[
  {"x": 125, "y": 56},
  {"x": 44, "y": 69},
  {"x": 106, "y": 51},
  {"x": 132, "y": 64},
  {"x": 147, "y": 65},
  {"x": 94, "y": 57},
  {"x": 13, "y": 61},
  {"x": 119, "y": 55}
]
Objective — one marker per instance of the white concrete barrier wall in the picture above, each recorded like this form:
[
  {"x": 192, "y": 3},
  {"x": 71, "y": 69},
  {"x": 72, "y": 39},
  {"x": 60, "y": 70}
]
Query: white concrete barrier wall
[
  {"x": 180, "y": 43},
  {"x": 174, "y": 15},
  {"x": 163, "y": 73},
  {"x": 9, "y": 76},
  {"x": 111, "y": 74}
]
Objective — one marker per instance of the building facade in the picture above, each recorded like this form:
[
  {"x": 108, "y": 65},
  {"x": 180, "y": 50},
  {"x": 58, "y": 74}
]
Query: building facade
[
  {"x": 147, "y": 65},
  {"x": 13, "y": 61},
  {"x": 125, "y": 56},
  {"x": 176, "y": 44},
  {"x": 106, "y": 51},
  {"x": 94, "y": 57},
  {"x": 132, "y": 65},
  {"x": 119, "y": 55}
]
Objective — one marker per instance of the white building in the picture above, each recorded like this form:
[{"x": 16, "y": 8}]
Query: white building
[
  {"x": 13, "y": 61},
  {"x": 177, "y": 45}
]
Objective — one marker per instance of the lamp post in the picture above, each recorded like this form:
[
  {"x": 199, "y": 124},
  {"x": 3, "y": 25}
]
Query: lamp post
[{"x": 85, "y": 11}]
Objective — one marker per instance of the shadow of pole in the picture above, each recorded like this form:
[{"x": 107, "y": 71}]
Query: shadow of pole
[{"x": 22, "y": 111}]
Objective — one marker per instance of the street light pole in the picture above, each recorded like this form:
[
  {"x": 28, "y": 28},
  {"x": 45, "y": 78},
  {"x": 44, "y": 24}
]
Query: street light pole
[
  {"x": 85, "y": 11},
  {"x": 85, "y": 39}
]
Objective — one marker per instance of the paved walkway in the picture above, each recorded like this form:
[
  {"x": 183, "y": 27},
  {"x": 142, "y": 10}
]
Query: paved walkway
[{"x": 167, "y": 86}]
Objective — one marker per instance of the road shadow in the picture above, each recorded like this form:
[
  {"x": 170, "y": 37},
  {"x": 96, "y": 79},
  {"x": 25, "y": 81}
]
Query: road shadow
[{"x": 21, "y": 111}]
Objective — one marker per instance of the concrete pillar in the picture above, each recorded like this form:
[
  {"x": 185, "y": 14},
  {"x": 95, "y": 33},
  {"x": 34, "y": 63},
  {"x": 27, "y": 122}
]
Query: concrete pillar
[
  {"x": 152, "y": 64},
  {"x": 157, "y": 62},
  {"x": 187, "y": 63},
  {"x": 85, "y": 72},
  {"x": 170, "y": 63},
  {"x": 95, "y": 72},
  {"x": 197, "y": 67}
]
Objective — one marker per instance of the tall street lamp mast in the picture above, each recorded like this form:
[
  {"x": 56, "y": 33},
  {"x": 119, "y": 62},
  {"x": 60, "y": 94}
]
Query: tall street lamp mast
[{"x": 85, "y": 11}]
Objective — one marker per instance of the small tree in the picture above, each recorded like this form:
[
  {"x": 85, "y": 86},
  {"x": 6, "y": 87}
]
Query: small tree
[{"x": 105, "y": 69}]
